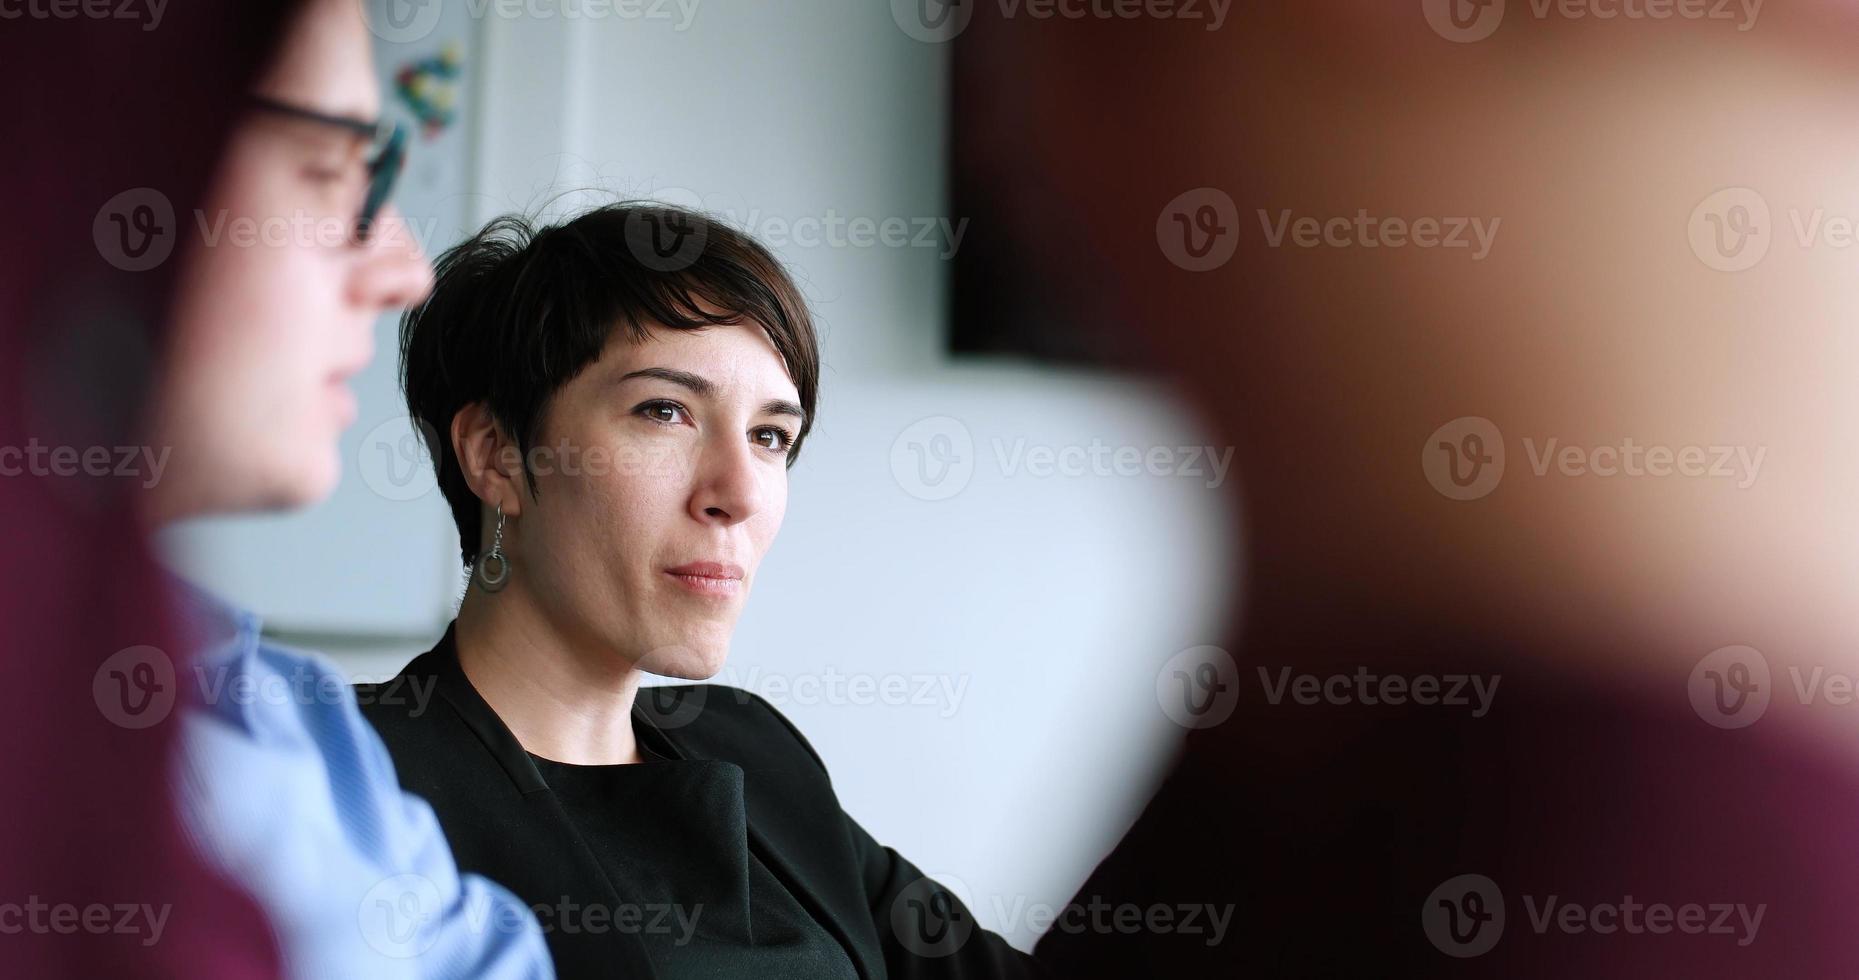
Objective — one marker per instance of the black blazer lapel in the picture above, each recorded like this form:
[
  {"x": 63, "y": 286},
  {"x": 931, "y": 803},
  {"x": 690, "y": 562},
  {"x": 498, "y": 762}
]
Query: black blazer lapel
[
  {"x": 784, "y": 832},
  {"x": 541, "y": 856}
]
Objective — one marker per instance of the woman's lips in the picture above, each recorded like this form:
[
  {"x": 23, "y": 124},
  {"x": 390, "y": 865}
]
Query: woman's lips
[{"x": 709, "y": 578}]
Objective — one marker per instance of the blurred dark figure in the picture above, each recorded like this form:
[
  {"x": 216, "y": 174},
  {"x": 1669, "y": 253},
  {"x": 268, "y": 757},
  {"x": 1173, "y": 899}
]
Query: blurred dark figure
[
  {"x": 100, "y": 106},
  {"x": 1543, "y": 661}
]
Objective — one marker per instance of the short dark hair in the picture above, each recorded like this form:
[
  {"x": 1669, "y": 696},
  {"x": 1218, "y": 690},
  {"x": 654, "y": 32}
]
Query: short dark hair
[{"x": 518, "y": 311}]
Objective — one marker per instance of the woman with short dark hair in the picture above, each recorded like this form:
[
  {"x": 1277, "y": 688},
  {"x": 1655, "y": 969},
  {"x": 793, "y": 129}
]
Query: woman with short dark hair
[{"x": 612, "y": 405}]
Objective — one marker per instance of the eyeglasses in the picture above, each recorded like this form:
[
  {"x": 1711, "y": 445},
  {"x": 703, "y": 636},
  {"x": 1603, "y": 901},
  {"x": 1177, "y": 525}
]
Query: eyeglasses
[{"x": 387, "y": 153}]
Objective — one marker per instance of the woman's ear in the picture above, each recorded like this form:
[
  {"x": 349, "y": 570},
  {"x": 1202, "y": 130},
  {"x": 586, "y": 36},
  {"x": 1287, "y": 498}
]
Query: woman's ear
[{"x": 490, "y": 460}]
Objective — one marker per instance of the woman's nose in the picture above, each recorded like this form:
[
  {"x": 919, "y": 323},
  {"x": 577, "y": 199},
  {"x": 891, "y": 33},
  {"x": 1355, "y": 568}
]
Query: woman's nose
[{"x": 729, "y": 488}]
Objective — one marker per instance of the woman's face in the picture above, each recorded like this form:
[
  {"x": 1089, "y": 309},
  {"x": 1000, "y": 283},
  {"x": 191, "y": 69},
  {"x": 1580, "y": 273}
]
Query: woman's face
[{"x": 661, "y": 475}]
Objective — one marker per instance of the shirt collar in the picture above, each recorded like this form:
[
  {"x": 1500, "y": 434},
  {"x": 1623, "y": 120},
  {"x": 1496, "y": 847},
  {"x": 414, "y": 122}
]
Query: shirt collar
[{"x": 214, "y": 627}]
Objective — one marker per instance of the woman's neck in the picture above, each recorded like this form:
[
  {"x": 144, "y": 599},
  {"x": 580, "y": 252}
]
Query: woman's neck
[{"x": 562, "y": 699}]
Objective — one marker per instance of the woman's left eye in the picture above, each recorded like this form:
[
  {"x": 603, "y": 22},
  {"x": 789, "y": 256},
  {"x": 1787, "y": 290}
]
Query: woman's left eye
[{"x": 773, "y": 438}]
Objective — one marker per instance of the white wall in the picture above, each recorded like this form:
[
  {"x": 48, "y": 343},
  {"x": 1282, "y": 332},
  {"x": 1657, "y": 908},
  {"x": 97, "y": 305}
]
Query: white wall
[{"x": 1036, "y": 609}]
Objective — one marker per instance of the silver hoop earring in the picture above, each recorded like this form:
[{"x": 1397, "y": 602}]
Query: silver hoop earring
[{"x": 487, "y": 581}]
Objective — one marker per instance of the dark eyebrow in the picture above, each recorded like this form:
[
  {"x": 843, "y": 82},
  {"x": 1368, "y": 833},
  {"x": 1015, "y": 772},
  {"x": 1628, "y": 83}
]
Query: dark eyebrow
[
  {"x": 684, "y": 379},
  {"x": 703, "y": 387},
  {"x": 781, "y": 406}
]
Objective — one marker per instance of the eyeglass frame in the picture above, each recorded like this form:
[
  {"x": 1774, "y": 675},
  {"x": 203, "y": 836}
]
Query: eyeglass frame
[{"x": 387, "y": 153}]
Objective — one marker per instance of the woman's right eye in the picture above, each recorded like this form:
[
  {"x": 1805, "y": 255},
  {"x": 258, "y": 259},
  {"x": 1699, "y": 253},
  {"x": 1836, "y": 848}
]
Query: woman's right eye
[{"x": 663, "y": 412}]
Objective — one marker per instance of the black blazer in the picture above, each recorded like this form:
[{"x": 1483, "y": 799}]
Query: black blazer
[{"x": 503, "y": 822}]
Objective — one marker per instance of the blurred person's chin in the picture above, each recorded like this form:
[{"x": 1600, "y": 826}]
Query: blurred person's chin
[{"x": 305, "y": 479}]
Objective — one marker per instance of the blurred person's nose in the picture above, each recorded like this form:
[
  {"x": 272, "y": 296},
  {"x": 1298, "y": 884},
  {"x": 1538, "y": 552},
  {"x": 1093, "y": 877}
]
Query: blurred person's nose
[{"x": 394, "y": 272}]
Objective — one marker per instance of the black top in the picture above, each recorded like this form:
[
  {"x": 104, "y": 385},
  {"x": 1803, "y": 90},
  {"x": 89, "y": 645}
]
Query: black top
[
  {"x": 733, "y": 811},
  {"x": 675, "y": 833}
]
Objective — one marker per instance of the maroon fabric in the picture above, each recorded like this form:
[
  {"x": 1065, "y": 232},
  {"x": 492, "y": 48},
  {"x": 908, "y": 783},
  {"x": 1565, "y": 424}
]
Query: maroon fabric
[
  {"x": 96, "y": 107},
  {"x": 1329, "y": 827}
]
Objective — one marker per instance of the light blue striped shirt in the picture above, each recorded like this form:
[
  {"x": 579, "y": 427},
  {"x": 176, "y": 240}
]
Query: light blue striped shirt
[{"x": 289, "y": 792}]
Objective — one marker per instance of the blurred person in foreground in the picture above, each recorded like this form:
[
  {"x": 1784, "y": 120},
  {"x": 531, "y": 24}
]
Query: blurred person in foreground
[
  {"x": 89, "y": 830},
  {"x": 293, "y": 799},
  {"x": 1543, "y": 658},
  {"x": 298, "y": 801}
]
